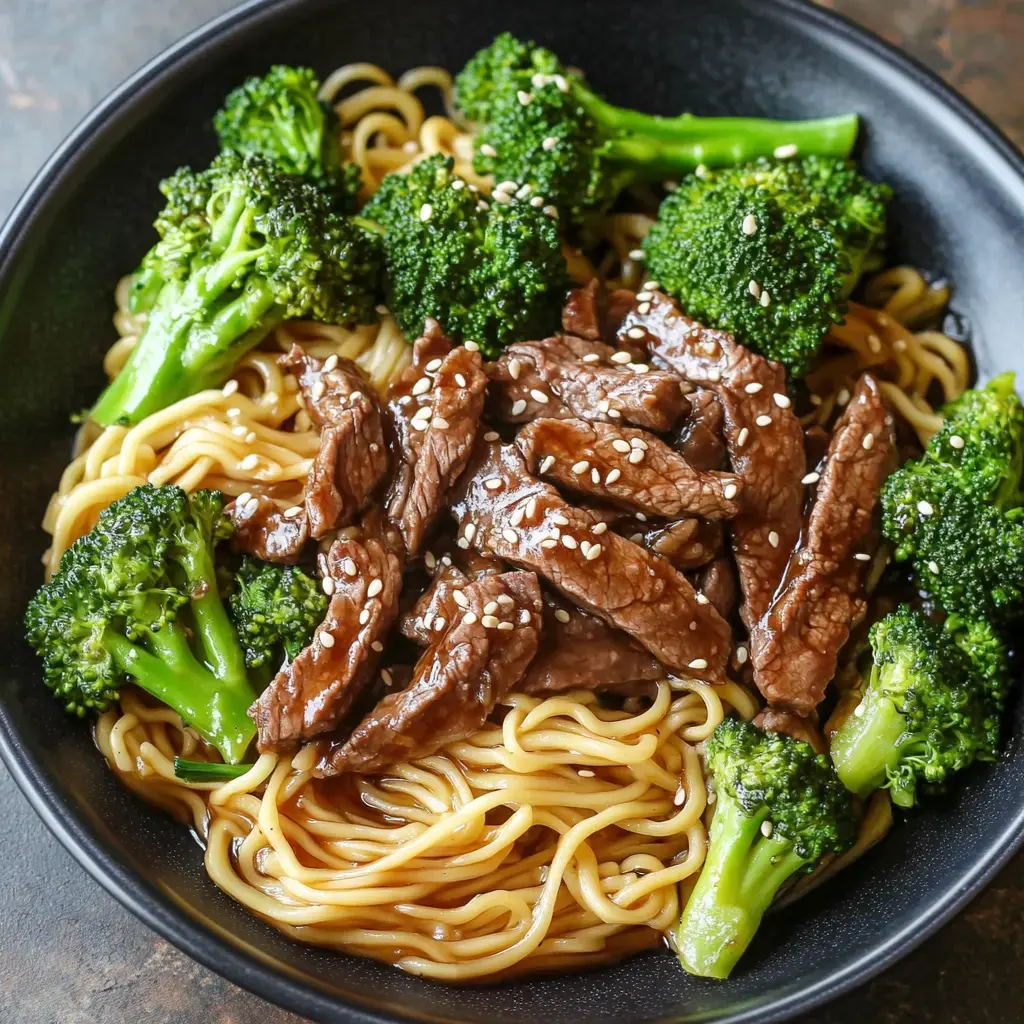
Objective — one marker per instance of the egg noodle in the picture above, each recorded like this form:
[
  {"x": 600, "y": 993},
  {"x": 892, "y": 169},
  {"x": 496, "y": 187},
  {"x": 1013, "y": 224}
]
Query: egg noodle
[{"x": 556, "y": 836}]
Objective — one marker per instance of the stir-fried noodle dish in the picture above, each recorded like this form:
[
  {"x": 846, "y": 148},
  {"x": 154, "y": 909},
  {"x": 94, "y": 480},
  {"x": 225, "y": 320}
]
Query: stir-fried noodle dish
[{"x": 514, "y": 538}]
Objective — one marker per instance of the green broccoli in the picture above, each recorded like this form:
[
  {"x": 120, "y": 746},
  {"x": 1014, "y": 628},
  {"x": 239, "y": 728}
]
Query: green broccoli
[
  {"x": 769, "y": 251},
  {"x": 543, "y": 127},
  {"x": 137, "y": 597},
  {"x": 779, "y": 809},
  {"x": 491, "y": 273},
  {"x": 278, "y": 116},
  {"x": 243, "y": 248},
  {"x": 275, "y": 609},
  {"x": 956, "y": 512},
  {"x": 925, "y": 713}
]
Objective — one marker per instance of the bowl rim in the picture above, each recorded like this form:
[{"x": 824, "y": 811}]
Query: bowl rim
[{"x": 121, "y": 109}]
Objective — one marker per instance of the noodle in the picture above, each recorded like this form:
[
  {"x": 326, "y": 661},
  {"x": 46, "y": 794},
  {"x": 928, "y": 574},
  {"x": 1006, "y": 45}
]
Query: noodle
[{"x": 551, "y": 839}]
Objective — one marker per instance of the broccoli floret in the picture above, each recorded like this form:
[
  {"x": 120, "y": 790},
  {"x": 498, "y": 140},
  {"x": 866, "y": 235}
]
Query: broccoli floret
[
  {"x": 989, "y": 659},
  {"x": 779, "y": 809},
  {"x": 542, "y": 126},
  {"x": 278, "y": 116},
  {"x": 769, "y": 251},
  {"x": 137, "y": 598},
  {"x": 274, "y": 608},
  {"x": 244, "y": 248},
  {"x": 491, "y": 273},
  {"x": 956, "y": 511},
  {"x": 925, "y": 712}
]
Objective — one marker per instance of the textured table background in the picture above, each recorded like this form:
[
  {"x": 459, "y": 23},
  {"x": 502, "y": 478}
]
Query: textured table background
[{"x": 69, "y": 954}]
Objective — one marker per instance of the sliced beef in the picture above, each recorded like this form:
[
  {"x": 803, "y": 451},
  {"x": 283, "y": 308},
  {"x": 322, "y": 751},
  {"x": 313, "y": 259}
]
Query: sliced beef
[
  {"x": 701, "y": 441},
  {"x": 435, "y": 406},
  {"x": 264, "y": 531},
  {"x": 476, "y": 661},
  {"x": 312, "y": 694},
  {"x": 580, "y": 652},
  {"x": 438, "y": 605},
  {"x": 565, "y": 377},
  {"x": 795, "y": 646},
  {"x": 580, "y": 316},
  {"x": 797, "y": 728},
  {"x": 504, "y": 511},
  {"x": 626, "y": 467},
  {"x": 340, "y": 400},
  {"x": 718, "y": 584},
  {"x": 763, "y": 436},
  {"x": 685, "y": 543}
]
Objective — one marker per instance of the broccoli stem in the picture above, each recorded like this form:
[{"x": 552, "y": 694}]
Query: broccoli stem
[
  {"x": 827, "y": 136},
  {"x": 740, "y": 877},
  {"x": 173, "y": 675},
  {"x": 722, "y": 141},
  {"x": 869, "y": 746}
]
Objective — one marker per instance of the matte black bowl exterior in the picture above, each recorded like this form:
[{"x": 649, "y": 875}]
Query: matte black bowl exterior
[{"x": 85, "y": 220}]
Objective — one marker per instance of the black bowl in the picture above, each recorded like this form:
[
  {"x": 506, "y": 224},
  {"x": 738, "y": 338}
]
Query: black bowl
[{"x": 85, "y": 220}]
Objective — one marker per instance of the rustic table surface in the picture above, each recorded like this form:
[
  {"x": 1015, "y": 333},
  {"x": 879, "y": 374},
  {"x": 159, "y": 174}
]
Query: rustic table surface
[{"x": 69, "y": 954}]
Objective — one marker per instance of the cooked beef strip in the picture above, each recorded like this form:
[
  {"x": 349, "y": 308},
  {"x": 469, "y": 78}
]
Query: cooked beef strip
[
  {"x": 685, "y": 543},
  {"x": 700, "y": 439},
  {"x": 718, "y": 584},
  {"x": 795, "y": 646},
  {"x": 446, "y": 386},
  {"x": 504, "y": 511},
  {"x": 263, "y": 530},
  {"x": 763, "y": 436},
  {"x": 806, "y": 729},
  {"x": 457, "y": 682},
  {"x": 580, "y": 652},
  {"x": 312, "y": 694},
  {"x": 580, "y": 314},
  {"x": 565, "y": 377},
  {"x": 340, "y": 400},
  {"x": 626, "y": 467}
]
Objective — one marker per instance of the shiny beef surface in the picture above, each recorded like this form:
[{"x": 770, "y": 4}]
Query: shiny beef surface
[{"x": 264, "y": 531}]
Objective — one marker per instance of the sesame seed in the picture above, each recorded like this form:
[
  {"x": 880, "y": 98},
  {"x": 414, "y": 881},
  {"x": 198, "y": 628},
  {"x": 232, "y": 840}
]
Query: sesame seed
[
  {"x": 493, "y": 483},
  {"x": 622, "y": 357},
  {"x": 741, "y": 439},
  {"x": 816, "y": 399},
  {"x": 753, "y": 387},
  {"x": 500, "y": 197},
  {"x": 874, "y": 343},
  {"x": 636, "y": 333},
  {"x": 591, "y": 357},
  {"x": 644, "y": 296},
  {"x": 599, "y": 528},
  {"x": 636, "y": 538},
  {"x": 641, "y": 517},
  {"x": 701, "y": 171},
  {"x": 440, "y": 422},
  {"x": 511, "y": 536},
  {"x": 862, "y": 557},
  {"x": 549, "y": 543},
  {"x": 651, "y": 286},
  {"x": 514, "y": 368},
  {"x": 469, "y": 618},
  {"x": 326, "y": 639},
  {"x": 460, "y": 380},
  {"x": 422, "y": 386},
  {"x": 782, "y": 401},
  {"x": 426, "y": 211},
  {"x": 581, "y": 467},
  {"x": 680, "y": 797},
  {"x": 551, "y": 211},
  {"x": 548, "y": 462},
  {"x": 524, "y": 97},
  {"x": 517, "y": 517},
  {"x": 639, "y": 367},
  {"x": 328, "y": 585},
  {"x": 594, "y": 552},
  {"x": 482, "y": 206},
  {"x": 249, "y": 462},
  {"x": 636, "y": 456},
  {"x": 240, "y": 431},
  {"x": 562, "y": 615},
  {"x": 636, "y": 254},
  {"x": 858, "y": 711},
  {"x": 730, "y": 491},
  {"x": 604, "y": 405},
  {"x": 615, "y": 414},
  {"x": 698, "y": 663},
  {"x": 749, "y": 226},
  {"x": 243, "y": 499},
  {"x": 470, "y": 531},
  {"x": 490, "y": 608},
  {"x": 377, "y": 646},
  {"x": 250, "y": 437},
  {"x": 549, "y": 143},
  {"x": 524, "y": 616},
  {"x": 506, "y": 186},
  {"x": 433, "y": 366},
  {"x": 524, "y": 191},
  {"x": 519, "y": 407},
  {"x": 252, "y": 506},
  {"x": 374, "y": 588},
  {"x": 595, "y": 476},
  {"x": 925, "y": 508},
  {"x": 763, "y": 421},
  {"x": 439, "y": 623},
  {"x": 869, "y": 442},
  {"x": 785, "y": 152},
  {"x": 585, "y": 773},
  {"x": 569, "y": 541},
  {"x": 620, "y": 446},
  {"x": 463, "y": 543},
  {"x": 230, "y": 388},
  {"x": 488, "y": 150},
  {"x": 956, "y": 441},
  {"x": 364, "y": 616},
  {"x": 349, "y": 567},
  {"x": 584, "y": 546},
  {"x": 505, "y": 626},
  {"x": 714, "y": 374},
  {"x": 766, "y": 828},
  {"x": 843, "y": 397},
  {"x": 291, "y": 513},
  {"x": 460, "y": 599},
  {"x": 538, "y": 396},
  {"x": 471, "y": 346},
  {"x": 458, "y": 185},
  {"x": 755, "y": 289},
  {"x": 933, "y": 567},
  {"x": 773, "y": 538},
  {"x": 701, "y": 599},
  {"x": 644, "y": 307},
  {"x": 612, "y": 476},
  {"x": 741, "y": 655},
  {"x": 766, "y": 299}
]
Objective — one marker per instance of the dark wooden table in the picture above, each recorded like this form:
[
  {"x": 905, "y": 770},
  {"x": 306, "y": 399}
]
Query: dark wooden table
[{"x": 69, "y": 954}]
